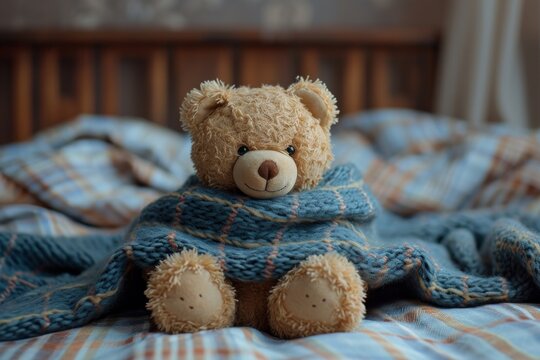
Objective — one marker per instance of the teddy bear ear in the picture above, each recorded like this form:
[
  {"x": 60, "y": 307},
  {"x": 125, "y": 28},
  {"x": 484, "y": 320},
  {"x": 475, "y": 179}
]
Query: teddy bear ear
[
  {"x": 317, "y": 99},
  {"x": 200, "y": 103}
]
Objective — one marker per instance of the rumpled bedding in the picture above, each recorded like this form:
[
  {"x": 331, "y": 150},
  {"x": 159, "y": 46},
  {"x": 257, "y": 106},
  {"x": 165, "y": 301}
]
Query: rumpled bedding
[{"x": 95, "y": 174}]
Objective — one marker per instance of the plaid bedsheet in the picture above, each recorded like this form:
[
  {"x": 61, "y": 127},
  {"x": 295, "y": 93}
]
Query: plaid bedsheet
[
  {"x": 416, "y": 162},
  {"x": 401, "y": 330},
  {"x": 95, "y": 174}
]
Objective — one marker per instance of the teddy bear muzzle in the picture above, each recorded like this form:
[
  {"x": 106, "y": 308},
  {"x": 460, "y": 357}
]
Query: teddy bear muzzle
[{"x": 265, "y": 174}]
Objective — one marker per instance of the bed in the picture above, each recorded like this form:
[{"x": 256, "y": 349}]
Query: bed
[
  {"x": 94, "y": 173},
  {"x": 49, "y": 187}
]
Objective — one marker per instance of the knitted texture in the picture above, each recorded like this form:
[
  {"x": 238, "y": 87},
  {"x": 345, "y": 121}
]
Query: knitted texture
[{"x": 464, "y": 259}]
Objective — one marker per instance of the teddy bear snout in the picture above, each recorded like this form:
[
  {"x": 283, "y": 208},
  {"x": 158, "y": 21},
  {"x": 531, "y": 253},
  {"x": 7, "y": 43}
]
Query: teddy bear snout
[
  {"x": 268, "y": 170},
  {"x": 265, "y": 174}
]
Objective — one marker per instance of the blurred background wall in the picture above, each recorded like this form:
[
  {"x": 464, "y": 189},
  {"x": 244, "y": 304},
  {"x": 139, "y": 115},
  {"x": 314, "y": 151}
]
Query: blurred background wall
[
  {"x": 488, "y": 66},
  {"x": 272, "y": 15}
]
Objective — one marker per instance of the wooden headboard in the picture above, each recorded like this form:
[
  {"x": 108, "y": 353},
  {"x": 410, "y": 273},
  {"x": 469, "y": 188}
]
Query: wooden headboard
[{"x": 48, "y": 77}]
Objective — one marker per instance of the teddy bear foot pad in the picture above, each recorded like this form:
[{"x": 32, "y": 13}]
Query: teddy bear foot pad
[
  {"x": 323, "y": 294},
  {"x": 189, "y": 294}
]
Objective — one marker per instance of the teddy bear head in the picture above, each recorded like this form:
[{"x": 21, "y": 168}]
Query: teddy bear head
[{"x": 263, "y": 141}]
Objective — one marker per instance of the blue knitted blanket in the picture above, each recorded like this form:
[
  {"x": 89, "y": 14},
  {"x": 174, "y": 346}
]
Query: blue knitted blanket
[{"x": 462, "y": 259}]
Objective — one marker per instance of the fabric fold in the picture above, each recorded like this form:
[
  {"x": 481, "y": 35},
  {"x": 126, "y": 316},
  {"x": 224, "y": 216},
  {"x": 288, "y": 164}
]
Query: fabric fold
[{"x": 58, "y": 283}]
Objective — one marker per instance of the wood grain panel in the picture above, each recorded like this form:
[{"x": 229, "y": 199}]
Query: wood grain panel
[
  {"x": 267, "y": 65},
  {"x": 109, "y": 82},
  {"x": 147, "y": 73},
  {"x": 49, "y": 87},
  {"x": 159, "y": 92},
  {"x": 309, "y": 63},
  {"x": 22, "y": 94},
  {"x": 57, "y": 106},
  {"x": 344, "y": 72},
  {"x": 402, "y": 78},
  {"x": 353, "y": 81},
  {"x": 154, "y": 87},
  {"x": 86, "y": 81},
  {"x": 6, "y": 100},
  {"x": 193, "y": 65}
]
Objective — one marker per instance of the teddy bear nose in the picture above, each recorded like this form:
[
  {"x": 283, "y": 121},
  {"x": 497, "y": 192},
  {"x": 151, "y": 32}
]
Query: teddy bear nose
[{"x": 268, "y": 170}]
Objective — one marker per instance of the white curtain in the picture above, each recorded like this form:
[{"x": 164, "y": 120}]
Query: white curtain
[{"x": 484, "y": 75}]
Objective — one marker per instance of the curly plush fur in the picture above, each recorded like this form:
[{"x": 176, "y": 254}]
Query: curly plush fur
[
  {"x": 168, "y": 274},
  {"x": 221, "y": 118},
  {"x": 341, "y": 276}
]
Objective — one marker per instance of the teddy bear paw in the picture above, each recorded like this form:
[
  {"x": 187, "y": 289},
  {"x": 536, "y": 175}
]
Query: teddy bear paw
[
  {"x": 187, "y": 292},
  {"x": 323, "y": 294}
]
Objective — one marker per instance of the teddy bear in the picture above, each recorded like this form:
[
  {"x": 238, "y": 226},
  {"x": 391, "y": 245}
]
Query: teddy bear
[{"x": 262, "y": 143}]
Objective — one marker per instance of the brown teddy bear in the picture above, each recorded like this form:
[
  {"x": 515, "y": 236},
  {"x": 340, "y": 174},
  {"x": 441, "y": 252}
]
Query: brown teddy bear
[{"x": 265, "y": 142}]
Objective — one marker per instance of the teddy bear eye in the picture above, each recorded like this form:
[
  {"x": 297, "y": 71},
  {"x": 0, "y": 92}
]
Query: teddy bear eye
[
  {"x": 242, "y": 150},
  {"x": 291, "y": 150}
]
